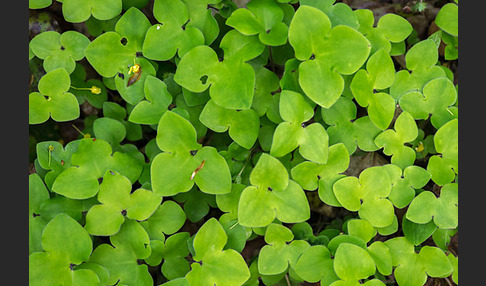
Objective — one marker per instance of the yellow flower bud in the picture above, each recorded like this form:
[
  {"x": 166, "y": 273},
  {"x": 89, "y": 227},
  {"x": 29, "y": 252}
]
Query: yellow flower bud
[
  {"x": 95, "y": 90},
  {"x": 135, "y": 68},
  {"x": 420, "y": 147}
]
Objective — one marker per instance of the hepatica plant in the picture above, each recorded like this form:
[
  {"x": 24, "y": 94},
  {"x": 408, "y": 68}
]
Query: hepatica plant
[{"x": 212, "y": 142}]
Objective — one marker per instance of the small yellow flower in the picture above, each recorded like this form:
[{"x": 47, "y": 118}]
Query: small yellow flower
[
  {"x": 420, "y": 147},
  {"x": 95, "y": 90},
  {"x": 135, "y": 68}
]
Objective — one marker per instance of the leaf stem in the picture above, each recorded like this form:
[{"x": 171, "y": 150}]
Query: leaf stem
[{"x": 287, "y": 279}]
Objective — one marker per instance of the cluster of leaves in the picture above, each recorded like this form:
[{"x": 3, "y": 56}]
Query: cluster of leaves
[{"x": 246, "y": 111}]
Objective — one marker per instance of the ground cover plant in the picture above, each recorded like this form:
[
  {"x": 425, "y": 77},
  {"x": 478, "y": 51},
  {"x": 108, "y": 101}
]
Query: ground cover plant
[{"x": 262, "y": 142}]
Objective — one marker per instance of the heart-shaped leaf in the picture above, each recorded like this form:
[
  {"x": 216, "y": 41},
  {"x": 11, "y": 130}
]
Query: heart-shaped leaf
[
  {"x": 351, "y": 262},
  {"x": 59, "y": 50},
  {"x": 243, "y": 125},
  {"x": 368, "y": 195},
  {"x": 66, "y": 244},
  {"x": 37, "y": 195},
  {"x": 121, "y": 257},
  {"x": 75, "y": 12},
  {"x": 442, "y": 210},
  {"x": 116, "y": 202},
  {"x": 379, "y": 74},
  {"x": 271, "y": 195},
  {"x": 224, "y": 267},
  {"x": 89, "y": 163},
  {"x": 322, "y": 176},
  {"x": 445, "y": 167},
  {"x": 392, "y": 141},
  {"x": 413, "y": 268},
  {"x": 53, "y": 99},
  {"x": 275, "y": 257},
  {"x": 172, "y": 35},
  {"x": 404, "y": 183},
  {"x": 312, "y": 140},
  {"x": 320, "y": 73},
  {"x": 345, "y": 128},
  {"x": 158, "y": 100},
  {"x": 231, "y": 80},
  {"x": 447, "y": 18},
  {"x": 315, "y": 265},
  {"x": 112, "y": 52},
  {"x": 263, "y": 18}
]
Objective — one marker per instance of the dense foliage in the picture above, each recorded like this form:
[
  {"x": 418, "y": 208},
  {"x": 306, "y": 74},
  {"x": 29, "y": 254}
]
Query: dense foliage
[{"x": 280, "y": 142}]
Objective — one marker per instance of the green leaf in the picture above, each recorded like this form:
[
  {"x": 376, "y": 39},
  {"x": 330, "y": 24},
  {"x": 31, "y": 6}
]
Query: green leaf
[
  {"x": 315, "y": 265},
  {"x": 232, "y": 81},
  {"x": 65, "y": 237},
  {"x": 442, "y": 210},
  {"x": 220, "y": 267},
  {"x": 175, "y": 134},
  {"x": 368, "y": 195},
  {"x": 269, "y": 172},
  {"x": 382, "y": 257},
  {"x": 312, "y": 140},
  {"x": 157, "y": 101},
  {"x": 266, "y": 100},
  {"x": 361, "y": 228},
  {"x": 239, "y": 46},
  {"x": 53, "y": 99},
  {"x": 351, "y": 262},
  {"x": 174, "y": 252},
  {"x": 51, "y": 269},
  {"x": 308, "y": 26},
  {"x": 108, "y": 55},
  {"x": 276, "y": 257},
  {"x": 404, "y": 183},
  {"x": 110, "y": 130},
  {"x": 262, "y": 18},
  {"x": 202, "y": 18},
  {"x": 417, "y": 233},
  {"x": 37, "y": 195},
  {"x": 196, "y": 203},
  {"x": 437, "y": 96},
  {"x": 39, "y": 4},
  {"x": 379, "y": 74},
  {"x": 210, "y": 237},
  {"x": 394, "y": 27},
  {"x": 75, "y": 13},
  {"x": 245, "y": 22},
  {"x": 259, "y": 206},
  {"x": 346, "y": 51},
  {"x": 215, "y": 176},
  {"x": 243, "y": 125},
  {"x": 392, "y": 141},
  {"x": 413, "y": 268},
  {"x": 120, "y": 258},
  {"x": 312, "y": 175},
  {"x": 422, "y": 55},
  {"x": 443, "y": 168},
  {"x": 172, "y": 36},
  {"x": 274, "y": 195},
  {"x": 59, "y": 50},
  {"x": 134, "y": 93},
  {"x": 176, "y": 170},
  {"x": 89, "y": 163},
  {"x": 447, "y": 18},
  {"x": 116, "y": 200},
  {"x": 171, "y": 173},
  {"x": 112, "y": 52},
  {"x": 168, "y": 218}
]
